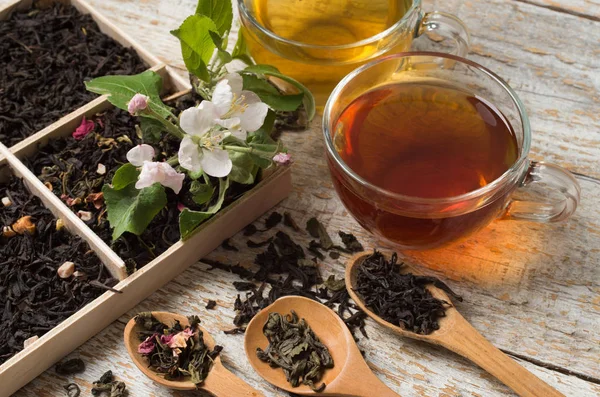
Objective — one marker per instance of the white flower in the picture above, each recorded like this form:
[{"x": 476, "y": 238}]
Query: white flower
[
  {"x": 232, "y": 108},
  {"x": 214, "y": 161},
  {"x": 139, "y": 154},
  {"x": 154, "y": 171},
  {"x": 137, "y": 103}
]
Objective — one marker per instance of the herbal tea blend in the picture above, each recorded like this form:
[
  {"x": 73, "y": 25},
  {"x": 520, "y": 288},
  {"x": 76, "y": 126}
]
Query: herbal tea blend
[
  {"x": 108, "y": 386},
  {"x": 176, "y": 351},
  {"x": 401, "y": 299},
  {"x": 45, "y": 56},
  {"x": 34, "y": 295},
  {"x": 295, "y": 348}
]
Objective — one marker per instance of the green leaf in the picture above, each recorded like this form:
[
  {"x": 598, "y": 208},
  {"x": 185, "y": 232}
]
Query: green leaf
[
  {"x": 267, "y": 70},
  {"x": 120, "y": 90},
  {"x": 189, "y": 220},
  {"x": 201, "y": 192},
  {"x": 240, "y": 50},
  {"x": 220, "y": 11},
  {"x": 262, "y": 69},
  {"x": 270, "y": 95},
  {"x": 125, "y": 176},
  {"x": 263, "y": 134},
  {"x": 132, "y": 210},
  {"x": 197, "y": 45},
  {"x": 243, "y": 165},
  {"x": 223, "y": 55},
  {"x": 151, "y": 130}
]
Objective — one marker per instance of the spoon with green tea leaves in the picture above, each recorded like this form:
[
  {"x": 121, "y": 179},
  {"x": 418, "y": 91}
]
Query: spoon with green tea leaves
[
  {"x": 314, "y": 346},
  {"x": 175, "y": 343},
  {"x": 416, "y": 306}
]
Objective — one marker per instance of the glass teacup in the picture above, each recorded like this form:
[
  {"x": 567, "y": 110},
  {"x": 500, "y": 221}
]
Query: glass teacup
[
  {"x": 528, "y": 190},
  {"x": 318, "y": 42}
]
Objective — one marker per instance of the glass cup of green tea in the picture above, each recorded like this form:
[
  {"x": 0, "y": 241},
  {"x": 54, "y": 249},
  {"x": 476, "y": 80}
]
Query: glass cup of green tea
[
  {"x": 426, "y": 148},
  {"x": 318, "y": 42}
]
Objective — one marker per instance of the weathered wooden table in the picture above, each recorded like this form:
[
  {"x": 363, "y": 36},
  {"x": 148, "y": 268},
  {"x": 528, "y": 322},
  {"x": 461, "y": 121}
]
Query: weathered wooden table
[{"x": 533, "y": 290}]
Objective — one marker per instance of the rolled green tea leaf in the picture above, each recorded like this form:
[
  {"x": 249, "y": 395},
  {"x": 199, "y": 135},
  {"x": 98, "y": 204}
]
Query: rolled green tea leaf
[{"x": 295, "y": 348}]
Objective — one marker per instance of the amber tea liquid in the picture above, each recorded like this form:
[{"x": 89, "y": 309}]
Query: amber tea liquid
[
  {"x": 323, "y": 23},
  {"x": 422, "y": 141}
]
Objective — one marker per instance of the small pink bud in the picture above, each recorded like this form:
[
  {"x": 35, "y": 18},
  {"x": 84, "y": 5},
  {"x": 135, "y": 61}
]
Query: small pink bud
[
  {"x": 180, "y": 207},
  {"x": 282, "y": 158},
  {"x": 84, "y": 128},
  {"x": 137, "y": 103}
]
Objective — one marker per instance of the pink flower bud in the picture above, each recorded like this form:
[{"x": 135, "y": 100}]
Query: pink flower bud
[
  {"x": 282, "y": 158},
  {"x": 84, "y": 128},
  {"x": 137, "y": 103}
]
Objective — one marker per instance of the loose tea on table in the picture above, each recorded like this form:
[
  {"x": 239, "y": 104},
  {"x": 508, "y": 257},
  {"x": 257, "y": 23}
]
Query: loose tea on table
[
  {"x": 401, "y": 299},
  {"x": 45, "y": 56},
  {"x": 176, "y": 351},
  {"x": 108, "y": 386},
  {"x": 294, "y": 347},
  {"x": 33, "y": 298},
  {"x": 284, "y": 270},
  {"x": 69, "y": 367}
]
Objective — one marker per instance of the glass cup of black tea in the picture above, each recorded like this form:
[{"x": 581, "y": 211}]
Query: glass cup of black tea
[{"x": 427, "y": 148}]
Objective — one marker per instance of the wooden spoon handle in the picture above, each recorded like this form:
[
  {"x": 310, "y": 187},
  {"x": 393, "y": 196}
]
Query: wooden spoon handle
[
  {"x": 466, "y": 341},
  {"x": 357, "y": 380},
  {"x": 223, "y": 383}
]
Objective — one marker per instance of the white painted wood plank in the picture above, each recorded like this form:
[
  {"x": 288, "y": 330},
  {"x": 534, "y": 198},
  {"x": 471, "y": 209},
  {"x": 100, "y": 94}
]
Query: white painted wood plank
[{"x": 537, "y": 296}]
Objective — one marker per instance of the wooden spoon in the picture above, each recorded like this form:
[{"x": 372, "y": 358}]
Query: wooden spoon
[
  {"x": 457, "y": 335},
  {"x": 220, "y": 382},
  {"x": 350, "y": 375}
]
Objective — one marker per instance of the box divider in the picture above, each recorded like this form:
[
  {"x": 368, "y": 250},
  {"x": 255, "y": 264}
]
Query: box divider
[{"x": 76, "y": 226}]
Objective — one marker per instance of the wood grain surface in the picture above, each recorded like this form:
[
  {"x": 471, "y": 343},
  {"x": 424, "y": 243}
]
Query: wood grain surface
[{"x": 532, "y": 290}]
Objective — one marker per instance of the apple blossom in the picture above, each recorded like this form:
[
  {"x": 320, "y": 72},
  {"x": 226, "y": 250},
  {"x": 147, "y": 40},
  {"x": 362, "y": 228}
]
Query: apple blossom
[
  {"x": 137, "y": 103},
  {"x": 154, "y": 171},
  {"x": 282, "y": 158}
]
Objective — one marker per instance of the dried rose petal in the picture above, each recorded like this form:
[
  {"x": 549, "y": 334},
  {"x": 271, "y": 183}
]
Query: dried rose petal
[
  {"x": 147, "y": 346},
  {"x": 84, "y": 128},
  {"x": 95, "y": 198}
]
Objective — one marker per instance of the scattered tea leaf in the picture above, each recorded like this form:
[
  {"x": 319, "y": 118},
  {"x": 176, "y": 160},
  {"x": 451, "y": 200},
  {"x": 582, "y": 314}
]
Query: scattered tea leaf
[
  {"x": 273, "y": 220},
  {"x": 107, "y": 385},
  {"x": 244, "y": 285},
  {"x": 290, "y": 222},
  {"x": 295, "y": 348},
  {"x": 334, "y": 254},
  {"x": 69, "y": 367},
  {"x": 250, "y": 230},
  {"x": 317, "y": 230},
  {"x": 258, "y": 244},
  {"x": 350, "y": 242},
  {"x": 335, "y": 285},
  {"x": 226, "y": 245},
  {"x": 72, "y": 390},
  {"x": 211, "y": 304}
]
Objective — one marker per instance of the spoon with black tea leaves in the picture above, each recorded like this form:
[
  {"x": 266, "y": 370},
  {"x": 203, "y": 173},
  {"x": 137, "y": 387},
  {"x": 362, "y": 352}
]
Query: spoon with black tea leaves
[
  {"x": 458, "y": 335},
  {"x": 350, "y": 375},
  {"x": 219, "y": 382}
]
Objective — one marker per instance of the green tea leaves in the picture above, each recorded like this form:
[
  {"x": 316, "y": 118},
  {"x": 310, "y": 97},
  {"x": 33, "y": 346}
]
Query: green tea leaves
[
  {"x": 197, "y": 45},
  {"x": 220, "y": 11},
  {"x": 270, "y": 95},
  {"x": 189, "y": 220},
  {"x": 120, "y": 90},
  {"x": 132, "y": 210}
]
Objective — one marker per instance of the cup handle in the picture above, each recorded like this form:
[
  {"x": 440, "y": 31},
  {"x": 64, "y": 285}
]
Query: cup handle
[
  {"x": 540, "y": 180},
  {"x": 446, "y": 25}
]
